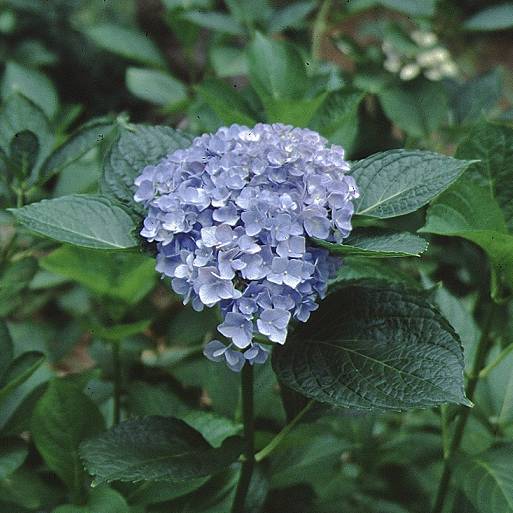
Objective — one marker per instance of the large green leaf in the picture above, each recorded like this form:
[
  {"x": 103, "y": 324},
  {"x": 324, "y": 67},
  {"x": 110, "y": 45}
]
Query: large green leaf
[
  {"x": 156, "y": 449},
  {"x": 127, "y": 42},
  {"x": 83, "y": 220},
  {"x": 79, "y": 143},
  {"x": 217, "y": 21},
  {"x": 374, "y": 347},
  {"x": 376, "y": 243},
  {"x": 398, "y": 182},
  {"x": 18, "y": 114},
  {"x": 497, "y": 17},
  {"x": 155, "y": 86},
  {"x": 276, "y": 69},
  {"x": 487, "y": 480},
  {"x": 63, "y": 418},
  {"x": 123, "y": 276},
  {"x": 493, "y": 146},
  {"x": 137, "y": 147},
  {"x": 467, "y": 210},
  {"x": 418, "y": 108}
]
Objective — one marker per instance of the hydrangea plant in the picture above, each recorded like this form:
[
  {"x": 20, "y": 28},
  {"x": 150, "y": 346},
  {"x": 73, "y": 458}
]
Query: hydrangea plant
[{"x": 232, "y": 216}]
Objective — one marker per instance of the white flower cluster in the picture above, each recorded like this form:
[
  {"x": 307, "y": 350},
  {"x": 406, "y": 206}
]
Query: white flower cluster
[{"x": 430, "y": 58}]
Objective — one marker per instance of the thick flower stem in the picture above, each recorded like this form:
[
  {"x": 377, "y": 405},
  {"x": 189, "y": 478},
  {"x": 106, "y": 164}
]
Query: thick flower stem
[
  {"x": 116, "y": 364},
  {"x": 249, "y": 433},
  {"x": 479, "y": 363}
]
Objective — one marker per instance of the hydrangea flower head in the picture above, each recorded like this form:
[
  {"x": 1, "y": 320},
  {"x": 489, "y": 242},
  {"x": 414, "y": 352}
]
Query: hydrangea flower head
[{"x": 232, "y": 217}]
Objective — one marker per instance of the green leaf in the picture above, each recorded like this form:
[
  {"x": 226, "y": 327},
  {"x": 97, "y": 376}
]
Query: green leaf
[
  {"x": 63, "y": 418},
  {"x": 18, "y": 114},
  {"x": 77, "y": 145},
  {"x": 6, "y": 348},
  {"x": 122, "y": 276},
  {"x": 357, "y": 268},
  {"x": 228, "y": 61},
  {"x": 487, "y": 480},
  {"x": 156, "y": 449},
  {"x": 217, "y": 21},
  {"x": 293, "y": 112},
  {"x": 101, "y": 499},
  {"x": 497, "y": 17},
  {"x": 121, "y": 331},
  {"x": 337, "y": 119},
  {"x": 83, "y": 220},
  {"x": 412, "y": 7},
  {"x": 493, "y": 146},
  {"x": 398, "y": 182},
  {"x": 290, "y": 16},
  {"x": 136, "y": 148},
  {"x": 376, "y": 243},
  {"x": 126, "y": 42},
  {"x": 468, "y": 211},
  {"x": 24, "y": 149},
  {"x": 229, "y": 105},
  {"x": 276, "y": 69},
  {"x": 13, "y": 453},
  {"x": 478, "y": 96},
  {"x": 31, "y": 84},
  {"x": 19, "y": 370},
  {"x": 374, "y": 347},
  {"x": 213, "y": 427},
  {"x": 155, "y": 86},
  {"x": 418, "y": 108}
]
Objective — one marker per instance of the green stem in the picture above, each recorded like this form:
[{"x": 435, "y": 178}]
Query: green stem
[
  {"x": 116, "y": 364},
  {"x": 319, "y": 27},
  {"x": 249, "y": 435},
  {"x": 479, "y": 362},
  {"x": 489, "y": 368},
  {"x": 20, "y": 197},
  {"x": 271, "y": 446}
]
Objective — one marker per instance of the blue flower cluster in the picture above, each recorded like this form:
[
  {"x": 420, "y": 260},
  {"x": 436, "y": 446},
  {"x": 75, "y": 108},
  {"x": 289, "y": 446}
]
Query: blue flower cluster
[{"x": 231, "y": 215}]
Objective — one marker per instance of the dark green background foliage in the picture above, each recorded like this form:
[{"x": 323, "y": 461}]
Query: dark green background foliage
[{"x": 395, "y": 397}]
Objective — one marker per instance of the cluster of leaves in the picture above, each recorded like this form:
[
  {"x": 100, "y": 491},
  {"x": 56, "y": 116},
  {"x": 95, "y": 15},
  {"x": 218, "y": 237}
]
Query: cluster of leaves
[{"x": 102, "y": 381}]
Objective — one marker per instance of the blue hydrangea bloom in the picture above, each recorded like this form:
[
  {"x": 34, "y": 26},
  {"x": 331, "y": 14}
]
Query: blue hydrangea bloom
[{"x": 232, "y": 215}]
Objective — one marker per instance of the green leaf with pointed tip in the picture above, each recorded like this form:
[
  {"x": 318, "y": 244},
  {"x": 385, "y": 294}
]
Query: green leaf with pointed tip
[
  {"x": 398, "y": 182},
  {"x": 90, "y": 221},
  {"x": 487, "y": 480},
  {"x": 121, "y": 331},
  {"x": 155, "y": 86},
  {"x": 276, "y": 69},
  {"x": 375, "y": 243},
  {"x": 156, "y": 449},
  {"x": 135, "y": 148},
  {"x": 79, "y": 142},
  {"x": 63, "y": 417},
  {"x": 493, "y": 145},
  {"x": 374, "y": 347},
  {"x": 19, "y": 370},
  {"x": 127, "y": 42},
  {"x": 217, "y": 21},
  {"x": 467, "y": 210}
]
